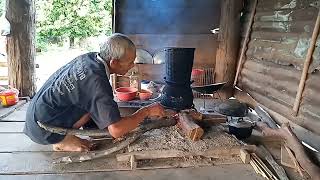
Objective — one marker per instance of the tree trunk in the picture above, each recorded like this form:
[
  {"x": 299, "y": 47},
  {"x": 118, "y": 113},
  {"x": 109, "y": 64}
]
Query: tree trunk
[
  {"x": 71, "y": 42},
  {"x": 21, "y": 45},
  {"x": 229, "y": 39}
]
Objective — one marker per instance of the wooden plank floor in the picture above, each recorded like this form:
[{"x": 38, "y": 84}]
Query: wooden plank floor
[{"x": 20, "y": 158}]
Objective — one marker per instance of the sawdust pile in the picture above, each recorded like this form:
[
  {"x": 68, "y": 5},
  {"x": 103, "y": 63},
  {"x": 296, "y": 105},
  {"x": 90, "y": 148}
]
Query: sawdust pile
[{"x": 171, "y": 138}]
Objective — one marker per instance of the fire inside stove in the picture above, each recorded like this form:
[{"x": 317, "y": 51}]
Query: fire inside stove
[{"x": 177, "y": 93}]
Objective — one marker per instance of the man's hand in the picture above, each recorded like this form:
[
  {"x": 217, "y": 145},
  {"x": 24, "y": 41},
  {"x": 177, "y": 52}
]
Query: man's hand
[{"x": 155, "y": 110}]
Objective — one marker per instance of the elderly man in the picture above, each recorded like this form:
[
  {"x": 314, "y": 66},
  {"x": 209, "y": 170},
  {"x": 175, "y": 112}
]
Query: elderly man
[{"x": 80, "y": 92}]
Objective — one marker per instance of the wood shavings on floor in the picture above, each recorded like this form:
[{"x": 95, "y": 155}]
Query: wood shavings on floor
[{"x": 171, "y": 138}]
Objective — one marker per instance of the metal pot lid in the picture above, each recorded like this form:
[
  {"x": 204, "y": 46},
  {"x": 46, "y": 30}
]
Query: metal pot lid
[
  {"x": 143, "y": 57},
  {"x": 159, "y": 57},
  {"x": 240, "y": 122},
  {"x": 232, "y": 107}
]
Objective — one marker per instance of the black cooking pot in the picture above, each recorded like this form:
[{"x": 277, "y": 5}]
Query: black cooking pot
[
  {"x": 232, "y": 107},
  {"x": 241, "y": 127}
]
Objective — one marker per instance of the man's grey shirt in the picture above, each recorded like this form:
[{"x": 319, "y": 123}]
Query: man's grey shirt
[{"x": 81, "y": 86}]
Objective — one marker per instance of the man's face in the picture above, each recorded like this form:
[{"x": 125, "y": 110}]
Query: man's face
[{"x": 126, "y": 63}]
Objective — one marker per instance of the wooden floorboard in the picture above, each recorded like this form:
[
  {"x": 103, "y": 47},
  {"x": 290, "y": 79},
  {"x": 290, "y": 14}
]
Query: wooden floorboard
[
  {"x": 16, "y": 116},
  {"x": 237, "y": 171},
  {"x": 41, "y": 162},
  {"x": 11, "y": 127},
  {"x": 5, "y": 111},
  {"x": 20, "y": 158},
  {"x": 31, "y": 163},
  {"x": 17, "y": 142}
]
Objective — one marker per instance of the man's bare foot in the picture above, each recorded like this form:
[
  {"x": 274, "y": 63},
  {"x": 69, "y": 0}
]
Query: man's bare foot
[{"x": 73, "y": 143}]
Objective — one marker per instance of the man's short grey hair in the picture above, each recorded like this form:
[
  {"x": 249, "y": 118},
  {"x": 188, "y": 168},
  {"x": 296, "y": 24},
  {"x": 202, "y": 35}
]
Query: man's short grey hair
[{"x": 115, "y": 47}]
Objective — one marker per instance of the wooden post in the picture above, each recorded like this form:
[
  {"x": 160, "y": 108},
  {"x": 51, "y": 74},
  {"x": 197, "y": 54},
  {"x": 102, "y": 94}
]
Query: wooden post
[
  {"x": 229, "y": 37},
  {"x": 306, "y": 66},
  {"x": 21, "y": 45},
  {"x": 246, "y": 40},
  {"x": 190, "y": 128}
]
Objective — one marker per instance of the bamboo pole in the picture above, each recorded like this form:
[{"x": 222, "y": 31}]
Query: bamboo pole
[
  {"x": 244, "y": 46},
  {"x": 306, "y": 66}
]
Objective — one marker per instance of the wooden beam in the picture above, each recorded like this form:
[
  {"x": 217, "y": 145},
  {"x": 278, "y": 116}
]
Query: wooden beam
[
  {"x": 218, "y": 152},
  {"x": 189, "y": 127},
  {"x": 229, "y": 37},
  {"x": 306, "y": 66},
  {"x": 131, "y": 137},
  {"x": 246, "y": 40}
]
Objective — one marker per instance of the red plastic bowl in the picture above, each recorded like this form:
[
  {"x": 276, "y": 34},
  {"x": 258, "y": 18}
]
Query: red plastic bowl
[
  {"x": 145, "y": 95},
  {"x": 197, "y": 72},
  {"x": 126, "y": 93}
]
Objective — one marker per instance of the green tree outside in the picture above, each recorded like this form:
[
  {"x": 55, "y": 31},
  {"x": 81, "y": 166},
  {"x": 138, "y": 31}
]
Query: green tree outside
[
  {"x": 2, "y": 3},
  {"x": 73, "y": 19}
]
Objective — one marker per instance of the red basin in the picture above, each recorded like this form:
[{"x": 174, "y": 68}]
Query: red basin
[
  {"x": 145, "y": 95},
  {"x": 126, "y": 93}
]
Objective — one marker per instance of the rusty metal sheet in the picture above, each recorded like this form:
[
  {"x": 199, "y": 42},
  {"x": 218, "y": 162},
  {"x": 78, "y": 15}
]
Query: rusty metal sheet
[
  {"x": 271, "y": 86},
  {"x": 286, "y": 4},
  {"x": 275, "y": 57},
  {"x": 304, "y": 14}
]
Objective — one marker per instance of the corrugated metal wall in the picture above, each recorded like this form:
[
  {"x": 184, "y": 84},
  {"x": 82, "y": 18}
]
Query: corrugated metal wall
[{"x": 280, "y": 38}]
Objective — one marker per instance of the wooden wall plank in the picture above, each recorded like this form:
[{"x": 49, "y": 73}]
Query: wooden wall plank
[
  {"x": 304, "y": 14},
  {"x": 267, "y": 5}
]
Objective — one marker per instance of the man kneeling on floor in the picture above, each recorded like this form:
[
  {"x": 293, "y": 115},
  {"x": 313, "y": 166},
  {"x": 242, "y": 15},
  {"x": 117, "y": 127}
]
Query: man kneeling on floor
[{"x": 79, "y": 93}]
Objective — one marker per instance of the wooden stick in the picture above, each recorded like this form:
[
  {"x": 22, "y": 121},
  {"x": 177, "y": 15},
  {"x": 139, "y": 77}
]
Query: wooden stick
[
  {"x": 246, "y": 39},
  {"x": 133, "y": 162},
  {"x": 160, "y": 154},
  {"x": 245, "y": 156},
  {"x": 114, "y": 79},
  {"x": 264, "y": 167},
  {"x": 67, "y": 131},
  {"x": 294, "y": 144},
  {"x": 197, "y": 116},
  {"x": 281, "y": 173},
  {"x": 189, "y": 128},
  {"x": 257, "y": 168},
  {"x": 306, "y": 66},
  {"x": 131, "y": 137},
  {"x": 295, "y": 162},
  {"x": 285, "y": 158},
  {"x": 254, "y": 166}
]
